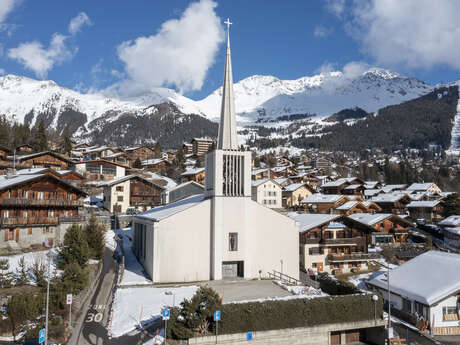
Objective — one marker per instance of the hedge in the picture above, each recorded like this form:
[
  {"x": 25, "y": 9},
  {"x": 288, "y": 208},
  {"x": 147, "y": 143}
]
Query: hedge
[
  {"x": 301, "y": 312},
  {"x": 336, "y": 287}
]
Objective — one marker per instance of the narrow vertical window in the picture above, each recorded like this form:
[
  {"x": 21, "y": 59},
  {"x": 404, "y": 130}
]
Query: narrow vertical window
[{"x": 233, "y": 241}]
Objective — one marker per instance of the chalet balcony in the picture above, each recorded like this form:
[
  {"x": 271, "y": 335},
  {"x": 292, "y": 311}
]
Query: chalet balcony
[
  {"x": 23, "y": 202},
  {"x": 335, "y": 241},
  {"x": 352, "y": 257},
  {"x": 15, "y": 221}
]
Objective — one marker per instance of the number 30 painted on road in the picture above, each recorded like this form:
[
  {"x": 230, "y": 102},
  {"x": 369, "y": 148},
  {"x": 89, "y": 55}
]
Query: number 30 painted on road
[{"x": 94, "y": 317}]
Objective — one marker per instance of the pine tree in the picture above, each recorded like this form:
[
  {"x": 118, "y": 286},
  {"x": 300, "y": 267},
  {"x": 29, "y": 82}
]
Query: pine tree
[
  {"x": 38, "y": 270},
  {"x": 5, "y": 277},
  {"x": 74, "y": 278},
  {"x": 95, "y": 237},
  {"x": 66, "y": 142},
  {"x": 40, "y": 138},
  {"x": 157, "y": 150},
  {"x": 75, "y": 249},
  {"x": 22, "y": 272},
  {"x": 137, "y": 163}
]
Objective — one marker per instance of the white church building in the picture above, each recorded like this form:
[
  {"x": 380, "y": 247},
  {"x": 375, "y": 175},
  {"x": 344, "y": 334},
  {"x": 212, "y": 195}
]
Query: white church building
[{"x": 222, "y": 233}]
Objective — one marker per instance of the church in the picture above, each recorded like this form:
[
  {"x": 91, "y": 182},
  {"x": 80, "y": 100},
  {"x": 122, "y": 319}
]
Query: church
[{"x": 221, "y": 233}]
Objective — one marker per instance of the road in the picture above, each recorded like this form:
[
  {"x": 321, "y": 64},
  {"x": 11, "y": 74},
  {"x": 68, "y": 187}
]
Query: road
[
  {"x": 414, "y": 337},
  {"x": 90, "y": 327}
]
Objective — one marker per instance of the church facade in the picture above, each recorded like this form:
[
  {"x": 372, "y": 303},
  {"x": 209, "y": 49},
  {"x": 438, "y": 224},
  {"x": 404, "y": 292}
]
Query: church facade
[{"x": 222, "y": 233}]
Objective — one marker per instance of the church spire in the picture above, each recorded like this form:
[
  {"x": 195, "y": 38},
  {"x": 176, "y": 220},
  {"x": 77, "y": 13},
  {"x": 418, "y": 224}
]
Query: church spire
[{"x": 227, "y": 129}]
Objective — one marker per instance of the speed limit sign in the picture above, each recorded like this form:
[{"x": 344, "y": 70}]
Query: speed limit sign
[{"x": 69, "y": 298}]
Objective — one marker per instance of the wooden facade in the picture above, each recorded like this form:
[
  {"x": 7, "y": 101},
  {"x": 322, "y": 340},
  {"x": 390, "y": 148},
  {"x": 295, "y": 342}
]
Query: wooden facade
[
  {"x": 32, "y": 201},
  {"x": 197, "y": 176},
  {"x": 47, "y": 159},
  {"x": 144, "y": 194},
  {"x": 141, "y": 152},
  {"x": 201, "y": 146}
]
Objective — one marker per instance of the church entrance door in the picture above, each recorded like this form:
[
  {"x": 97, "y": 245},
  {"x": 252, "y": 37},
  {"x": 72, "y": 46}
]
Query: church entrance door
[{"x": 232, "y": 269}]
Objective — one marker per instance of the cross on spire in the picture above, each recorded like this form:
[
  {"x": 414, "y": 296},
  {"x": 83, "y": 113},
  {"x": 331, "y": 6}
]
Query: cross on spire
[{"x": 228, "y": 24}]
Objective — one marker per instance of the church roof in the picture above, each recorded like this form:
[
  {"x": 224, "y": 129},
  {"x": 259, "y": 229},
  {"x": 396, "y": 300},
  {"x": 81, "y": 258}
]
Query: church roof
[{"x": 159, "y": 213}]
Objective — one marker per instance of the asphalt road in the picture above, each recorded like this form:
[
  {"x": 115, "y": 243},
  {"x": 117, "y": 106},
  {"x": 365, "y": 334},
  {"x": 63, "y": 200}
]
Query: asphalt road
[{"x": 90, "y": 328}]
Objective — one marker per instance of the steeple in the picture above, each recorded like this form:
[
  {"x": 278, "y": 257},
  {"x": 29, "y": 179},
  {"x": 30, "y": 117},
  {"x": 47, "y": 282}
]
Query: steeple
[{"x": 227, "y": 139}]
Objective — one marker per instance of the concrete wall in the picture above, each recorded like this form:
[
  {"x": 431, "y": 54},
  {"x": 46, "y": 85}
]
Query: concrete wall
[
  {"x": 436, "y": 313},
  {"x": 182, "y": 246},
  {"x": 111, "y": 196},
  {"x": 181, "y": 192},
  {"x": 319, "y": 335}
]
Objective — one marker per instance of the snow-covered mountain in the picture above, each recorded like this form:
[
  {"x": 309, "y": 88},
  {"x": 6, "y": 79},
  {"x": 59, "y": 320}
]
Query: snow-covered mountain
[
  {"x": 258, "y": 98},
  {"x": 266, "y": 97}
]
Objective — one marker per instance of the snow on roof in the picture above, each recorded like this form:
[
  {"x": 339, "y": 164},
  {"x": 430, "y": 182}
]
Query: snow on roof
[
  {"x": 369, "y": 218},
  {"x": 6, "y": 182},
  {"x": 421, "y": 278},
  {"x": 372, "y": 192},
  {"x": 309, "y": 221},
  {"x": 450, "y": 221},
  {"x": 336, "y": 225},
  {"x": 335, "y": 183},
  {"x": 319, "y": 198},
  {"x": 293, "y": 187},
  {"x": 256, "y": 183},
  {"x": 416, "y": 204},
  {"x": 203, "y": 139},
  {"x": 420, "y": 186},
  {"x": 392, "y": 187},
  {"x": 192, "y": 171},
  {"x": 170, "y": 183},
  {"x": 153, "y": 161},
  {"x": 346, "y": 206},
  {"x": 32, "y": 171},
  {"x": 455, "y": 231},
  {"x": 279, "y": 169},
  {"x": 159, "y": 213},
  {"x": 353, "y": 186},
  {"x": 258, "y": 171},
  {"x": 390, "y": 197},
  {"x": 186, "y": 184}
]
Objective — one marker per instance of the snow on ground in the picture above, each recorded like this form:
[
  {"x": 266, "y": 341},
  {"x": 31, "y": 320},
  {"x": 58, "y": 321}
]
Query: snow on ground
[
  {"x": 299, "y": 289},
  {"x": 134, "y": 273},
  {"x": 360, "y": 280},
  {"x": 142, "y": 305},
  {"x": 30, "y": 258}
]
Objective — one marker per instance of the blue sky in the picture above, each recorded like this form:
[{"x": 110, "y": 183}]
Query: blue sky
[{"x": 288, "y": 39}]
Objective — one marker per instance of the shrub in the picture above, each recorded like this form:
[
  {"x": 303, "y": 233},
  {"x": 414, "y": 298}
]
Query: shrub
[{"x": 336, "y": 287}]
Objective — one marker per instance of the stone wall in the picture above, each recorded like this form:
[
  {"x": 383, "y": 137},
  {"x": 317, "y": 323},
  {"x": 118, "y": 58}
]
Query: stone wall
[{"x": 319, "y": 335}]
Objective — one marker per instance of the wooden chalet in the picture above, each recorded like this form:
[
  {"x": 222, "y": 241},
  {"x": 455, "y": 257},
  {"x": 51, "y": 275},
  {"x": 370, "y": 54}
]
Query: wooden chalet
[
  {"x": 395, "y": 203},
  {"x": 99, "y": 170},
  {"x": 120, "y": 158},
  {"x": 338, "y": 186},
  {"x": 187, "y": 148},
  {"x": 196, "y": 174},
  {"x": 25, "y": 149},
  {"x": 31, "y": 207},
  {"x": 354, "y": 206},
  {"x": 259, "y": 174},
  {"x": 382, "y": 228},
  {"x": 157, "y": 165},
  {"x": 144, "y": 194},
  {"x": 429, "y": 210},
  {"x": 47, "y": 159},
  {"x": 328, "y": 245},
  {"x": 323, "y": 203},
  {"x": 294, "y": 193},
  {"x": 141, "y": 152}
]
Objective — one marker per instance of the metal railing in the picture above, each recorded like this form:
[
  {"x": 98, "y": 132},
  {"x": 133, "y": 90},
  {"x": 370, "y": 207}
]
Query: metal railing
[
  {"x": 40, "y": 202},
  {"x": 28, "y": 220},
  {"x": 290, "y": 280},
  {"x": 352, "y": 257}
]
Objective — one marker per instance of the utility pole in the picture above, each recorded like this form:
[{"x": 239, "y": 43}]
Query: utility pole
[{"x": 48, "y": 295}]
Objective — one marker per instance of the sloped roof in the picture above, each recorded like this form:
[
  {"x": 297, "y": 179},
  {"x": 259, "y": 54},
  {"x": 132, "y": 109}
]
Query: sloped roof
[
  {"x": 309, "y": 221},
  {"x": 159, "y": 213},
  {"x": 390, "y": 197},
  {"x": 319, "y": 198},
  {"x": 192, "y": 171},
  {"x": 369, "y": 219},
  {"x": 450, "y": 221},
  {"x": 420, "y": 186},
  {"x": 335, "y": 183},
  {"x": 427, "y": 278},
  {"x": 293, "y": 187},
  {"x": 346, "y": 206},
  {"x": 418, "y": 204}
]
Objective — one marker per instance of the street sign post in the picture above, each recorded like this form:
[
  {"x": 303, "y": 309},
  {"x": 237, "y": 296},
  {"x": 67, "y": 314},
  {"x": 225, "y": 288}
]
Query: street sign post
[
  {"x": 165, "y": 314},
  {"x": 69, "y": 302},
  {"x": 41, "y": 335},
  {"x": 217, "y": 319}
]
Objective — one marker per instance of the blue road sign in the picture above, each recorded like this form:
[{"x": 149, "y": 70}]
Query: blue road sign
[
  {"x": 165, "y": 314},
  {"x": 41, "y": 335},
  {"x": 249, "y": 336},
  {"x": 217, "y": 315}
]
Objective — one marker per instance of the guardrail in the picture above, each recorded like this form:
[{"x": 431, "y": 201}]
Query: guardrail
[{"x": 290, "y": 280}]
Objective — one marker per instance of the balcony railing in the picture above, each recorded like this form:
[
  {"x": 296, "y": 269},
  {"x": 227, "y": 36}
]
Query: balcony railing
[
  {"x": 336, "y": 241},
  {"x": 352, "y": 257},
  {"x": 40, "y": 202},
  {"x": 28, "y": 220}
]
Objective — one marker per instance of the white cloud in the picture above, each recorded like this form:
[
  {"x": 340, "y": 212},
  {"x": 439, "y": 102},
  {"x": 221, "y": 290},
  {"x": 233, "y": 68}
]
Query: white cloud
[
  {"x": 78, "y": 21},
  {"x": 411, "y": 33},
  {"x": 33, "y": 56},
  {"x": 2, "y": 71},
  {"x": 337, "y": 7},
  {"x": 6, "y": 6},
  {"x": 179, "y": 54},
  {"x": 334, "y": 78},
  {"x": 322, "y": 31}
]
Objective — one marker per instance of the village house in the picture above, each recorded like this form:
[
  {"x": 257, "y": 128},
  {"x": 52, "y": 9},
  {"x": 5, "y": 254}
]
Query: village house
[
  {"x": 355, "y": 206},
  {"x": 427, "y": 290},
  {"x": 47, "y": 159},
  {"x": 120, "y": 158},
  {"x": 370, "y": 193},
  {"x": 187, "y": 148},
  {"x": 394, "y": 187},
  {"x": 194, "y": 174},
  {"x": 181, "y": 191},
  {"x": 428, "y": 210},
  {"x": 327, "y": 245},
  {"x": 451, "y": 231},
  {"x": 429, "y": 187},
  {"x": 158, "y": 165},
  {"x": 31, "y": 206},
  {"x": 383, "y": 228},
  {"x": 258, "y": 174},
  {"x": 395, "y": 202},
  {"x": 267, "y": 192},
  {"x": 24, "y": 149},
  {"x": 100, "y": 170},
  {"x": 294, "y": 193},
  {"x": 142, "y": 153},
  {"x": 338, "y": 186},
  {"x": 322, "y": 203},
  {"x": 131, "y": 191},
  {"x": 282, "y": 171},
  {"x": 99, "y": 152},
  {"x": 201, "y": 146}
]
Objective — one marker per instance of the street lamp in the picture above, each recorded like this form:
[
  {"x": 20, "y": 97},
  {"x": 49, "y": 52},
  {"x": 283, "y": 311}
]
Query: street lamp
[
  {"x": 375, "y": 298},
  {"x": 389, "y": 329}
]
